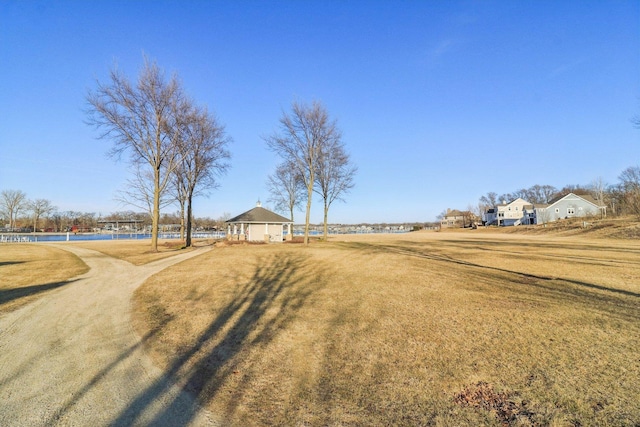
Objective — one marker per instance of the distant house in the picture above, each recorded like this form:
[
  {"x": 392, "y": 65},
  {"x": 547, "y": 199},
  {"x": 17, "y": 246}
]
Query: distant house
[
  {"x": 568, "y": 206},
  {"x": 258, "y": 224},
  {"x": 456, "y": 218},
  {"x": 512, "y": 213}
]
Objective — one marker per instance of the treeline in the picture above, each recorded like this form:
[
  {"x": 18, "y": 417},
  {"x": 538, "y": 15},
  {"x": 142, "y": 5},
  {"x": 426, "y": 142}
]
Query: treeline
[
  {"x": 18, "y": 213},
  {"x": 620, "y": 198}
]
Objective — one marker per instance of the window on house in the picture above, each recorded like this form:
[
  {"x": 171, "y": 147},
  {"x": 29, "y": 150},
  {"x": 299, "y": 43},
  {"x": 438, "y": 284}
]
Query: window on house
[
  {"x": 516, "y": 208},
  {"x": 571, "y": 211},
  {"x": 557, "y": 210}
]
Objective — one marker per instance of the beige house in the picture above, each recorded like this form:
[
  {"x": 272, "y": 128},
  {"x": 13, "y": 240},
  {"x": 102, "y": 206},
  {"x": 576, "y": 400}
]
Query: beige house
[
  {"x": 259, "y": 225},
  {"x": 456, "y": 218}
]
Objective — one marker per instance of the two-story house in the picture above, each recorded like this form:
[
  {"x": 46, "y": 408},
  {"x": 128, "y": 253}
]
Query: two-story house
[{"x": 512, "y": 213}]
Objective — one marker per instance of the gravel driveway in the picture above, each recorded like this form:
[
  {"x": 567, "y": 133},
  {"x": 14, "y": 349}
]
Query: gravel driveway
[{"x": 72, "y": 357}]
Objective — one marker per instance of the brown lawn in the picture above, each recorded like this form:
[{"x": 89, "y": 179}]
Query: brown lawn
[
  {"x": 28, "y": 271},
  {"x": 424, "y": 328}
]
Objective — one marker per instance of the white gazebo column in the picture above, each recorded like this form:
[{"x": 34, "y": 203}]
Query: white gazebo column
[
  {"x": 266, "y": 233},
  {"x": 242, "y": 236},
  {"x": 229, "y": 236}
]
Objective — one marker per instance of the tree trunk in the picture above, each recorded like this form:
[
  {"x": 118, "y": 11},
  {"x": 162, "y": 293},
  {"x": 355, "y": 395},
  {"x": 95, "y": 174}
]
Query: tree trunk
[
  {"x": 326, "y": 220},
  {"x": 189, "y": 210},
  {"x": 308, "y": 214},
  {"x": 182, "y": 237},
  {"x": 155, "y": 219}
]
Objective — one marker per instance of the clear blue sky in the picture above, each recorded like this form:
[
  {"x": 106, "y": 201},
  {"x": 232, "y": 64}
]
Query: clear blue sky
[{"x": 440, "y": 102}]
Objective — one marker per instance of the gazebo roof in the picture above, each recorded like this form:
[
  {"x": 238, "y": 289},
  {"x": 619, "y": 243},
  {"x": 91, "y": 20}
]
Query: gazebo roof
[{"x": 259, "y": 215}]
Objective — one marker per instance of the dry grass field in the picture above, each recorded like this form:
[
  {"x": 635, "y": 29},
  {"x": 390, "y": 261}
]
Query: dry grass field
[
  {"x": 426, "y": 328},
  {"x": 28, "y": 271}
]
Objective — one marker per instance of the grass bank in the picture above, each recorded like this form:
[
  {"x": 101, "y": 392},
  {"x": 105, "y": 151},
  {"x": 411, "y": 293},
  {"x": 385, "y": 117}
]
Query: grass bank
[
  {"x": 28, "y": 271},
  {"x": 416, "y": 329}
]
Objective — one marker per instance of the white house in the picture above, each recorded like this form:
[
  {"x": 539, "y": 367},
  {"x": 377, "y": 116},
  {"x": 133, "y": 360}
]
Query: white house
[{"x": 512, "y": 213}]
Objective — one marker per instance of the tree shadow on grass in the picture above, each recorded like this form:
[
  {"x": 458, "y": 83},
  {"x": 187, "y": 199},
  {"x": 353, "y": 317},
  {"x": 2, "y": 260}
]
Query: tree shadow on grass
[
  {"x": 77, "y": 396},
  {"x": 3, "y": 263},
  {"x": 9, "y": 295},
  {"x": 618, "y": 302},
  {"x": 262, "y": 306}
]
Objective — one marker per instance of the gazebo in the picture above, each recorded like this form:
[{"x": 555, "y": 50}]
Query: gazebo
[{"x": 258, "y": 225}]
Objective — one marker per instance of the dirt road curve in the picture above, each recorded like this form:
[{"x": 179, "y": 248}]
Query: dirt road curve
[{"x": 72, "y": 357}]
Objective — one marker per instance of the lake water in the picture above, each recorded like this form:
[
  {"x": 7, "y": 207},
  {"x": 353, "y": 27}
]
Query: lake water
[{"x": 9, "y": 238}]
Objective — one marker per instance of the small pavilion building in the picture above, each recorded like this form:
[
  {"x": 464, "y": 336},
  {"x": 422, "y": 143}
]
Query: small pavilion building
[{"x": 259, "y": 225}]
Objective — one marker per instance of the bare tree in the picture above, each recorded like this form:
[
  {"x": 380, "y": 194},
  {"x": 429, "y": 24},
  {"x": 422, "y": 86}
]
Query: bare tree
[
  {"x": 630, "y": 186},
  {"x": 11, "y": 204},
  {"x": 286, "y": 189},
  {"x": 138, "y": 118},
  {"x": 302, "y": 135},
  {"x": 488, "y": 201},
  {"x": 335, "y": 175},
  {"x": 543, "y": 215},
  {"x": 139, "y": 191},
  {"x": 539, "y": 194},
  {"x": 203, "y": 158},
  {"x": 39, "y": 208},
  {"x": 599, "y": 190}
]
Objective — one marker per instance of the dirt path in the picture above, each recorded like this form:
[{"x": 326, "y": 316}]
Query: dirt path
[{"x": 72, "y": 357}]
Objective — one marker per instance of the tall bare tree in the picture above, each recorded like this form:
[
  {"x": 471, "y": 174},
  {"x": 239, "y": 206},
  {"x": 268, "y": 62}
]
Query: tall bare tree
[
  {"x": 540, "y": 194},
  {"x": 12, "y": 202},
  {"x": 302, "y": 135},
  {"x": 335, "y": 174},
  {"x": 202, "y": 145},
  {"x": 286, "y": 189},
  {"x": 630, "y": 186},
  {"x": 598, "y": 189},
  {"x": 138, "y": 119},
  {"x": 39, "y": 208}
]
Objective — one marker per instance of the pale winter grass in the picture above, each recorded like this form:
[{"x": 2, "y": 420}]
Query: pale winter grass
[
  {"x": 28, "y": 271},
  {"x": 415, "y": 329}
]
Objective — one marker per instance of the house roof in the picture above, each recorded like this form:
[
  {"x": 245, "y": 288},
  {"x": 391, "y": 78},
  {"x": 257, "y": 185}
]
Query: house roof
[
  {"x": 456, "y": 212},
  {"x": 586, "y": 197},
  {"x": 259, "y": 215}
]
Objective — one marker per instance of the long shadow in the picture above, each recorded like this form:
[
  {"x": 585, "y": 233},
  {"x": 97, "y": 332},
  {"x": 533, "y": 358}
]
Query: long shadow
[
  {"x": 281, "y": 284},
  {"x": 8, "y": 295},
  {"x": 523, "y": 249},
  {"x": 444, "y": 258},
  {"x": 103, "y": 372},
  {"x": 611, "y": 300},
  {"x": 3, "y": 263}
]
